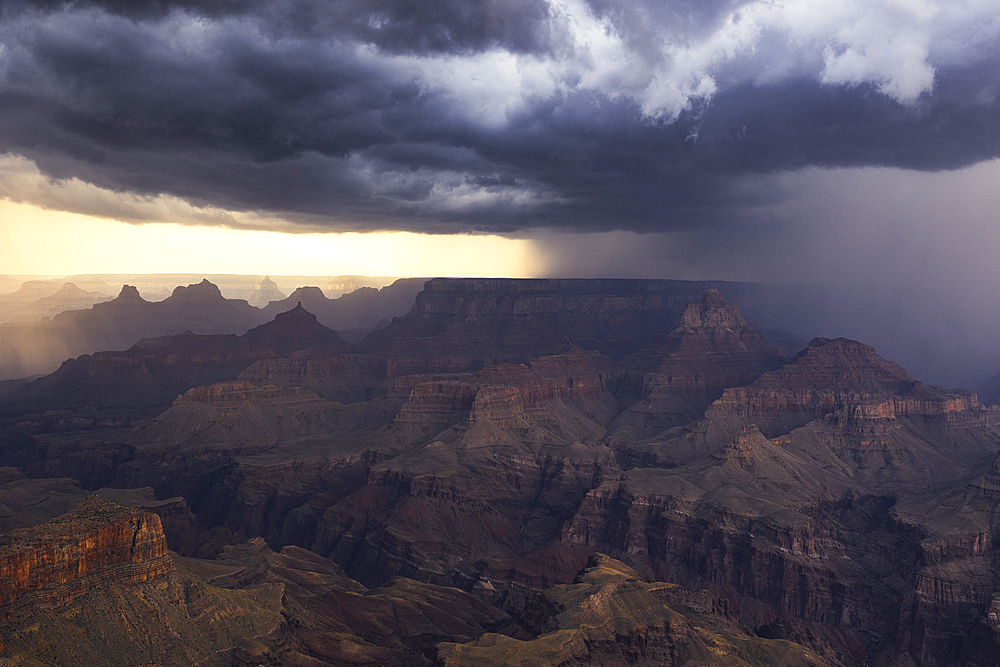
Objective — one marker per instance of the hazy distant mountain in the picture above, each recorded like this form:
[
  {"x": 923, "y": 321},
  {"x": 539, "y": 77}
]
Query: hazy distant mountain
[
  {"x": 32, "y": 348},
  {"x": 232, "y": 286},
  {"x": 265, "y": 292},
  {"x": 154, "y": 374},
  {"x": 37, "y": 299},
  {"x": 360, "y": 310},
  {"x": 31, "y": 290},
  {"x": 38, "y": 347}
]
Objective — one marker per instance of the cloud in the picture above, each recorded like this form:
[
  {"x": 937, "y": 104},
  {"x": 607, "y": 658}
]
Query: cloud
[{"x": 503, "y": 115}]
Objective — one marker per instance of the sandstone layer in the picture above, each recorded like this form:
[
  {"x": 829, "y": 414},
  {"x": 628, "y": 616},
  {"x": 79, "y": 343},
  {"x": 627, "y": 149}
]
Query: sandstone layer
[{"x": 61, "y": 559}]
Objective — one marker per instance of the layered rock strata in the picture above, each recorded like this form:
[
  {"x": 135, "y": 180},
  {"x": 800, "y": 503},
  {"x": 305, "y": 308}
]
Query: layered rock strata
[
  {"x": 465, "y": 324},
  {"x": 94, "y": 543},
  {"x": 832, "y": 375}
]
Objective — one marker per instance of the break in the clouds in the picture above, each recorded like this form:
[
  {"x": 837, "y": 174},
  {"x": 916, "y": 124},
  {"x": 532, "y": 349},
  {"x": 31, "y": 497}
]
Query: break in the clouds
[{"x": 499, "y": 115}]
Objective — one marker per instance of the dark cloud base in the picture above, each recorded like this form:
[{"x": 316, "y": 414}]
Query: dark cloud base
[{"x": 295, "y": 108}]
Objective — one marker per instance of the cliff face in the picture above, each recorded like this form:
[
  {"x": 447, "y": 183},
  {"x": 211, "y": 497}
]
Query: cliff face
[
  {"x": 465, "y": 324},
  {"x": 240, "y": 413},
  {"x": 95, "y": 543},
  {"x": 513, "y": 396},
  {"x": 711, "y": 348}
]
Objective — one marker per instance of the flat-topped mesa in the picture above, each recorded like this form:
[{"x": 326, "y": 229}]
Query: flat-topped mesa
[
  {"x": 93, "y": 544},
  {"x": 460, "y": 325},
  {"x": 500, "y": 394},
  {"x": 711, "y": 347},
  {"x": 839, "y": 374}
]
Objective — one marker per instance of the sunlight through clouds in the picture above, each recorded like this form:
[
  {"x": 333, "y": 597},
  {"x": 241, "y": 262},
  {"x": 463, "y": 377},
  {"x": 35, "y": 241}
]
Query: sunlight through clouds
[{"x": 41, "y": 242}]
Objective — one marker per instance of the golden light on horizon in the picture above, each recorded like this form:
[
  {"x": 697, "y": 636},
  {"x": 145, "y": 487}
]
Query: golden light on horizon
[{"x": 35, "y": 241}]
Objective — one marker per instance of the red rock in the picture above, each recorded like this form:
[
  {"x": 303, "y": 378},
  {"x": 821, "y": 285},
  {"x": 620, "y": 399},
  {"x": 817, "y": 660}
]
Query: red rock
[{"x": 61, "y": 559}]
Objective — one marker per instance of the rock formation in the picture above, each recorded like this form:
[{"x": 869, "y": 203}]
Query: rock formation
[
  {"x": 459, "y": 324},
  {"x": 63, "y": 558},
  {"x": 154, "y": 373},
  {"x": 28, "y": 348},
  {"x": 610, "y": 616},
  {"x": 824, "y": 509},
  {"x": 265, "y": 292},
  {"x": 711, "y": 348}
]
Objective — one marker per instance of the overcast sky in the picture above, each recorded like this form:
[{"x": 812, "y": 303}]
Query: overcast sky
[{"x": 829, "y": 140}]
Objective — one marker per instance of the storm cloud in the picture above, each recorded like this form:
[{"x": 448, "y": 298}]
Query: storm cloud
[{"x": 494, "y": 116}]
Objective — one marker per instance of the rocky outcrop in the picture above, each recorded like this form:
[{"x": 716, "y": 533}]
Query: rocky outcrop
[
  {"x": 711, "y": 348},
  {"x": 329, "y": 619},
  {"x": 833, "y": 375},
  {"x": 609, "y": 615},
  {"x": 64, "y": 558}
]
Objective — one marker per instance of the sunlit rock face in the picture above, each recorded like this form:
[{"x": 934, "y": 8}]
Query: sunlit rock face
[{"x": 64, "y": 558}]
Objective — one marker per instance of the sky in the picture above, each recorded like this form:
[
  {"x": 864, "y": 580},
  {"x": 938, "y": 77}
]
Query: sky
[{"x": 846, "y": 142}]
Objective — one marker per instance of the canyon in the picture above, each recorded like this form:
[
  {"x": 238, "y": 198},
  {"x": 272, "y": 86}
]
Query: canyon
[{"x": 553, "y": 471}]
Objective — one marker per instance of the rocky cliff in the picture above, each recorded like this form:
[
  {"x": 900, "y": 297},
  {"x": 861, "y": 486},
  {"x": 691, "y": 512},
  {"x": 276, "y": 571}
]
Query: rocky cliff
[
  {"x": 832, "y": 375},
  {"x": 62, "y": 559},
  {"x": 459, "y": 324}
]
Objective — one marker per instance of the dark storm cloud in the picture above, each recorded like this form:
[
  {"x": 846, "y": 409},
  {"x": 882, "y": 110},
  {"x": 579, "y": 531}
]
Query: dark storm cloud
[
  {"x": 141, "y": 9},
  {"x": 394, "y": 25},
  {"x": 489, "y": 116}
]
